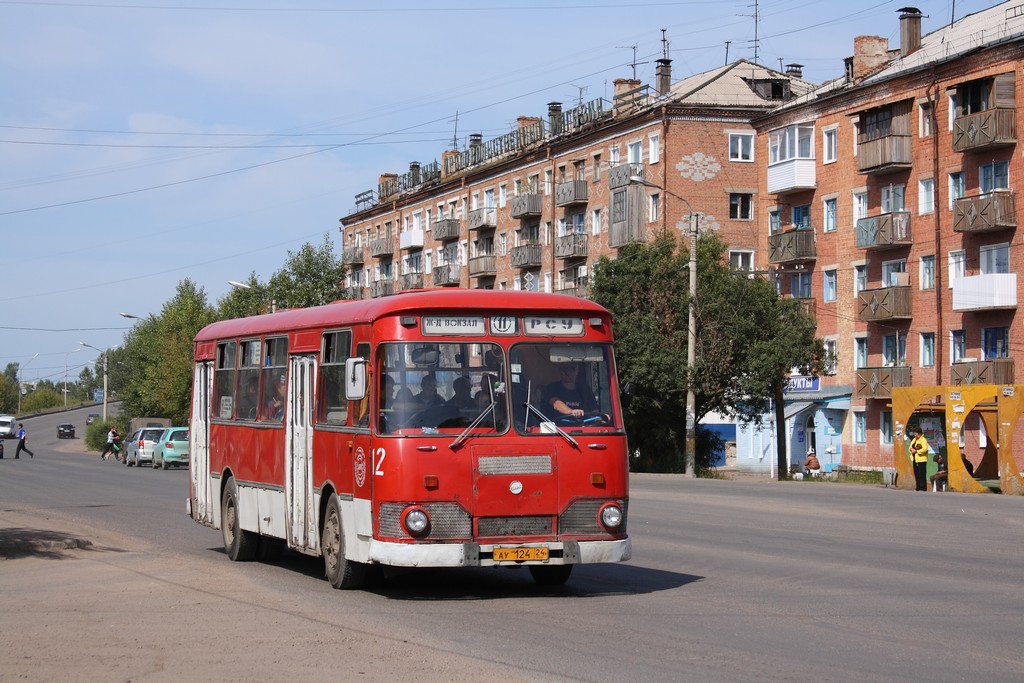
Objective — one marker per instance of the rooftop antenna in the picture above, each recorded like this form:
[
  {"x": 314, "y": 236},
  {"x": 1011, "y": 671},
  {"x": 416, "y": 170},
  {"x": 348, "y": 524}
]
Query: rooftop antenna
[
  {"x": 455, "y": 136},
  {"x": 664, "y": 44},
  {"x": 582, "y": 89},
  {"x": 757, "y": 20},
  {"x": 633, "y": 48},
  {"x": 727, "y": 51}
]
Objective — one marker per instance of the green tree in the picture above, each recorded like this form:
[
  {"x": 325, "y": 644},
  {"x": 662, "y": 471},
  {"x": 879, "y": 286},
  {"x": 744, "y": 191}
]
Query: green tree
[
  {"x": 241, "y": 302},
  {"x": 41, "y": 398},
  {"x": 8, "y": 394},
  {"x": 311, "y": 276}
]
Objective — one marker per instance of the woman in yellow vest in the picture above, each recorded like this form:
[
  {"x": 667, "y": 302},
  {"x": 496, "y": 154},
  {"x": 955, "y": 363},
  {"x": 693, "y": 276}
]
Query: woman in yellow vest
[{"x": 919, "y": 455}]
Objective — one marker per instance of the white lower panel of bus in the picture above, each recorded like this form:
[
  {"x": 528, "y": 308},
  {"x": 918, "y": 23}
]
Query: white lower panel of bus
[{"x": 468, "y": 554}]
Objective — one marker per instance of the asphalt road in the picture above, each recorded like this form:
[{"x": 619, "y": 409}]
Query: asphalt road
[{"x": 730, "y": 581}]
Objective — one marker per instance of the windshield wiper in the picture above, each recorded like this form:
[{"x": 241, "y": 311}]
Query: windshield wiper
[
  {"x": 544, "y": 418},
  {"x": 461, "y": 438}
]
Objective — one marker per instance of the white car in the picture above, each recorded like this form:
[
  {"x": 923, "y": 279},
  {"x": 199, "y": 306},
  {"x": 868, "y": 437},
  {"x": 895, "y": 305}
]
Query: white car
[
  {"x": 8, "y": 427},
  {"x": 138, "y": 448}
]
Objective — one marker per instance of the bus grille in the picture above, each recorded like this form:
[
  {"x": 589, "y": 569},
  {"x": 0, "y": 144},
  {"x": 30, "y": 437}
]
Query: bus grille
[
  {"x": 514, "y": 526},
  {"x": 519, "y": 464},
  {"x": 581, "y": 518},
  {"x": 447, "y": 521}
]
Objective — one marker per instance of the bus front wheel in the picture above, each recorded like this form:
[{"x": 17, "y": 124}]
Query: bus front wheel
[
  {"x": 240, "y": 545},
  {"x": 341, "y": 572},
  {"x": 550, "y": 575}
]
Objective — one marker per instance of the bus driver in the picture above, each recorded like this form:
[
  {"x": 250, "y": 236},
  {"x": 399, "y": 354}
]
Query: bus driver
[{"x": 567, "y": 397}]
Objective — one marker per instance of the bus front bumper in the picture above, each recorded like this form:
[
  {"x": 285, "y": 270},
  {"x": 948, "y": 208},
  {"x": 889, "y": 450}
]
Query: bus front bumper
[{"x": 477, "y": 555}]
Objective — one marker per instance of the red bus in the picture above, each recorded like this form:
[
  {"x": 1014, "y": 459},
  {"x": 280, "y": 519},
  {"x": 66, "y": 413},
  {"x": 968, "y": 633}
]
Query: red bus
[{"x": 432, "y": 428}]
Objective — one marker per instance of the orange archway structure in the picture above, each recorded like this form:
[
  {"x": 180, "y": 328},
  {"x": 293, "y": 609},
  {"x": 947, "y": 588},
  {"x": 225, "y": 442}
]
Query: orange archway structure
[{"x": 998, "y": 406}]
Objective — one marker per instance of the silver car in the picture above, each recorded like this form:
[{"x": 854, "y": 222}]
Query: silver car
[{"x": 138, "y": 448}]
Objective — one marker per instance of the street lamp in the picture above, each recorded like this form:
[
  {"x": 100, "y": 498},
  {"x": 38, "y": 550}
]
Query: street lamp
[
  {"x": 20, "y": 378},
  {"x": 690, "y": 456},
  {"x": 66, "y": 356},
  {"x": 241, "y": 285},
  {"x": 82, "y": 343}
]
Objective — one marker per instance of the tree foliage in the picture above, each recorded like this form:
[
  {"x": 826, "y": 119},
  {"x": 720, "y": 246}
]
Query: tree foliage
[
  {"x": 748, "y": 340},
  {"x": 311, "y": 276}
]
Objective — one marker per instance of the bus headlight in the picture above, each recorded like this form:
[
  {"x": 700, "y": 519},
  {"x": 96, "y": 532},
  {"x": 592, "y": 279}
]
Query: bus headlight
[
  {"x": 416, "y": 522},
  {"x": 611, "y": 516}
]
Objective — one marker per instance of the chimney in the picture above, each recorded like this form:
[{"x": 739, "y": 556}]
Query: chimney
[
  {"x": 414, "y": 173},
  {"x": 869, "y": 54},
  {"x": 476, "y": 148},
  {"x": 555, "y": 117},
  {"x": 623, "y": 100},
  {"x": 795, "y": 70},
  {"x": 476, "y": 139},
  {"x": 663, "y": 76},
  {"x": 449, "y": 162},
  {"x": 910, "y": 30},
  {"x": 387, "y": 185}
]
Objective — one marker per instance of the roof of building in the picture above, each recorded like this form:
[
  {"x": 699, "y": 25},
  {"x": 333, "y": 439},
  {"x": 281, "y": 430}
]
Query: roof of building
[{"x": 730, "y": 86}]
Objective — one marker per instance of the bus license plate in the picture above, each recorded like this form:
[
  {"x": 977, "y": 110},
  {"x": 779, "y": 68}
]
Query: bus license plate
[{"x": 520, "y": 554}]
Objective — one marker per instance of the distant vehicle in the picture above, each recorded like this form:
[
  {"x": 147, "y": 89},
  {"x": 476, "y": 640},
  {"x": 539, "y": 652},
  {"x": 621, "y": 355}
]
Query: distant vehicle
[
  {"x": 138, "y": 423},
  {"x": 171, "y": 449},
  {"x": 65, "y": 431},
  {"x": 138, "y": 448},
  {"x": 92, "y": 418},
  {"x": 8, "y": 427}
]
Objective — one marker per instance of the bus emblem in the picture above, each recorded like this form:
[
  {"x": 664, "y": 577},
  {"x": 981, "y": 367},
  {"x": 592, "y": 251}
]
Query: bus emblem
[
  {"x": 360, "y": 467},
  {"x": 516, "y": 487}
]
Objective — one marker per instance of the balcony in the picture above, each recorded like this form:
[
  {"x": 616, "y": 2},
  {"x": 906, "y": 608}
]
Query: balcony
[
  {"x": 480, "y": 219},
  {"x": 885, "y": 231},
  {"x": 382, "y": 247},
  {"x": 410, "y": 281},
  {"x": 985, "y": 130},
  {"x": 886, "y": 154},
  {"x": 447, "y": 229},
  {"x": 352, "y": 293},
  {"x": 483, "y": 266},
  {"x": 618, "y": 176},
  {"x": 527, "y": 205},
  {"x": 580, "y": 290},
  {"x": 793, "y": 175},
  {"x": 382, "y": 288},
  {"x": 987, "y": 292},
  {"x": 411, "y": 239},
  {"x": 526, "y": 256},
  {"x": 571, "y": 192},
  {"x": 992, "y": 371},
  {"x": 353, "y": 255},
  {"x": 791, "y": 246},
  {"x": 879, "y": 382},
  {"x": 447, "y": 275},
  {"x": 810, "y": 306},
  {"x": 571, "y": 246},
  {"x": 884, "y": 303},
  {"x": 985, "y": 213}
]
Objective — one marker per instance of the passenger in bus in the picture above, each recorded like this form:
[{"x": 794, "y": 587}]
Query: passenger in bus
[
  {"x": 274, "y": 408},
  {"x": 250, "y": 399},
  {"x": 568, "y": 397},
  {"x": 428, "y": 395},
  {"x": 462, "y": 397}
]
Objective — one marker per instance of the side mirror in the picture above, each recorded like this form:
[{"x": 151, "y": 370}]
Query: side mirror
[
  {"x": 355, "y": 379},
  {"x": 627, "y": 393}
]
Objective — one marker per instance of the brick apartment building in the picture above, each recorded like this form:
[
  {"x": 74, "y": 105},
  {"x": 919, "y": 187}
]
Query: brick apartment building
[{"x": 888, "y": 204}]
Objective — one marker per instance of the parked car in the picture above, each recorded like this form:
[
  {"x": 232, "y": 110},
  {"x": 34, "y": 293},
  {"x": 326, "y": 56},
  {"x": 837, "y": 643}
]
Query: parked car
[
  {"x": 92, "y": 418},
  {"x": 138, "y": 448},
  {"x": 171, "y": 449},
  {"x": 8, "y": 427},
  {"x": 65, "y": 431}
]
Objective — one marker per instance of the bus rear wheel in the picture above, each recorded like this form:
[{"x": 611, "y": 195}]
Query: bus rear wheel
[
  {"x": 341, "y": 572},
  {"x": 550, "y": 575},
  {"x": 240, "y": 545}
]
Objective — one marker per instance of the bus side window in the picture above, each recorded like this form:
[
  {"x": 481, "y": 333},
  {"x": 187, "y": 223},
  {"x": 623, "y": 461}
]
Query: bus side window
[
  {"x": 333, "y": 407},
  {"x": 361, "y": 409}
]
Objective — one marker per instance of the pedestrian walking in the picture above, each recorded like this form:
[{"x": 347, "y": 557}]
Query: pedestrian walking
[
  {"x": 22, "y": 446},
  {"x": 112, "y": 438}
]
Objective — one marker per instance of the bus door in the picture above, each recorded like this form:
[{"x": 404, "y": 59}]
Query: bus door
[
  {"x": 203, "y": 503},
  {"x": 302, "y": 532}
]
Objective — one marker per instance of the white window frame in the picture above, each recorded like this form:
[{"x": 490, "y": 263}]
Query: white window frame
[
  {"x": 926, "y": 279},
  {"x": 925, "y": 196},
  {"x": 653, "y": 206},
  {"x": 994, "y": 258},
  {"x": 860, "y": 279},
  {"x": 860, "y": 352},
  {"x": 860, "y": 427},
  {"x": 957, "y": 186},
  {"x": 924, "y": 120},
  {"x": 894, "y": 198},
  {"x": 791, "y": 142},
  {"x": 635, "y": 152},
  {"x": 654, "y": 148},
  {"x": 860, "y": 205},
  {"x": 830, "y": 144},
  {"x": 829, "y": 220},
  {"x": 831, "y": 349},
  {"x": 926, "y": 353},
  {"x": 829, "y": 290},
  {"x": 595, "y": 222},
  {"x": 745, "y": 257},
  {"x": 957, "y": 265},
  {"x": 957, "y": 345},
  {"x": 741, "y": 147},
  {"x": 889, "y": 270}
]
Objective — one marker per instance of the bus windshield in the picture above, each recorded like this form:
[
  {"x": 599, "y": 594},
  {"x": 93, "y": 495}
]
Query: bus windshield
[
  {"x": 563, "y": 385},
  {"x": 427, "y": 388}
]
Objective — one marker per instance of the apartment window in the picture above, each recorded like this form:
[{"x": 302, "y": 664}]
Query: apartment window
[
  {"x": 928, "y": 272},
  {"x": 619, "y": 206},
  {"x": 654, "y": 203},
  {"x": 957, "y": 345},
  {"x": 741, "y": 146},
  {"x": 654, "y": 148},
  {"x": 893, "y": 198},
  {"x": 829, "y": 290},
  {"x": 876, "y": 124},
  {"x": 860, "y": 427},
  {"x": 595, "y": 222},
  {"x": 885, "y": 428},
  {"x": 597, "y": 167},
  {"x": 995, "y": 342},
  {"x": 924, "y": 119},
  {"x": 829, "y": 206},
  {"x": 791, "y": 142},
  {"x": 957, "y": 265},
  {"x": 925, "y": 195},
  {"x": 995, "y": 258},
  {"x": 635, "y": 152},
  {"x": 502, "y": 195},
  {"x": 740, "y": 206},
  {"x": 801, "y": 285},
  {"x": 927, "y": 349},
  {"x": 889, "y": 270},
  {"x": 741, "y": 260},
  {"x": 502, "y": 244},
  {"x": 860, "y": 352},
  {"x": 774, "y": 223},
  {"x": 956, "y": 187},
  {"x": 860, "y": 206},
  {"x": 830, "y": 144},
  {"x": 613, "y": 155},
  {"x": 995, "y": 176},
  {"x": 802, "y": 216},
  {"x": 831, "y": 355},
  {"x": 547, "y": 182},
  {"x": 860, "y": 279},
  {"x": 894, "y": 349}
]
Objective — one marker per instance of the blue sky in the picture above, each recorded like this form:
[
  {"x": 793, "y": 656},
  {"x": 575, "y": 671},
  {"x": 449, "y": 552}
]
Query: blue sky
[{"x": 144, "y": 142}]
